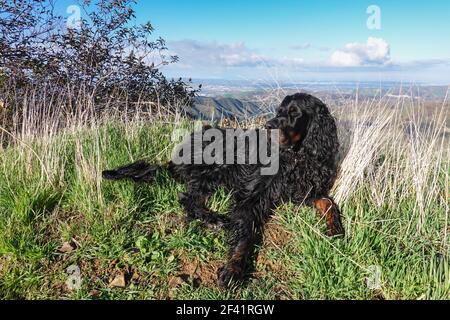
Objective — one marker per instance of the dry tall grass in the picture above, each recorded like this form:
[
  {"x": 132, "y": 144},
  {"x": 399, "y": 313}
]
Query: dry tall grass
[{"x": 400, "y": 148}]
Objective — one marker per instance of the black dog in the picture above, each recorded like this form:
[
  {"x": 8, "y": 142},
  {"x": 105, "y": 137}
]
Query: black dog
[{"x": 307, "y": 171}]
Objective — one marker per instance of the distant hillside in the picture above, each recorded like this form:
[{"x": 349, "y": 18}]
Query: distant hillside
[{"x": 209, "y": 108}]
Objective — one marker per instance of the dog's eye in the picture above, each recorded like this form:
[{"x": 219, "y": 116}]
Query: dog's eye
[{"x": 295, "y": 113}]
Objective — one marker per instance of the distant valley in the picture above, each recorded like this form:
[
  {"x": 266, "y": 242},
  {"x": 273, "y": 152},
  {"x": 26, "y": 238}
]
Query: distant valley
[{"x": 235, "y": 99}]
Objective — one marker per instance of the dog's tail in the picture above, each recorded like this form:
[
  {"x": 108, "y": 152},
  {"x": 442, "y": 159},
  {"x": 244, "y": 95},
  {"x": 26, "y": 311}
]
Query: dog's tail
[{"x": 140, "y": 171}]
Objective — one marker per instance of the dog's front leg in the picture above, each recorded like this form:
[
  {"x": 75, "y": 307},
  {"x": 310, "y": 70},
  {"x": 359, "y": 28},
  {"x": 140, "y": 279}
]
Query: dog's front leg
[
  {"x": 245, "y": 230},
  {"x": 196, "y": 209}
]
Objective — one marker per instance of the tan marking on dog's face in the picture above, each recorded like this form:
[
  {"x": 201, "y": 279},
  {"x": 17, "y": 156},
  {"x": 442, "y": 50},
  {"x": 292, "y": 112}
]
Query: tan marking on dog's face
[
  {"x": 295, "y": 137},
  {"x": 283, "y": 139}
]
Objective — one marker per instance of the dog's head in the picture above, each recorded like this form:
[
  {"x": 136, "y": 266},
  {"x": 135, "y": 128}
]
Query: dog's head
[
  {"x": 304, "y": 120},
  {"x": 293, "y": 118}
]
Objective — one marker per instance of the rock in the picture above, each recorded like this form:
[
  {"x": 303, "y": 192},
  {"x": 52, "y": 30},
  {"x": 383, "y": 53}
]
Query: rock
[
  {"x": 135, "y": 276},
  {"x": 118, "y": 282},
  {"x": 67, "y": 247}
]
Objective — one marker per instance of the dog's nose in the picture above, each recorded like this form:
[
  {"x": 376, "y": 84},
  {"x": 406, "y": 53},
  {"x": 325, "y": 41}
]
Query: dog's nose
[{"x": 272, "y": 124}]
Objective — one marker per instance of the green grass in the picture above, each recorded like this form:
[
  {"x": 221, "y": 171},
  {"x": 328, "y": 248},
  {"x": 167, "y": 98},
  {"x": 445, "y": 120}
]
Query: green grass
[{"x": 51, "y": 192}]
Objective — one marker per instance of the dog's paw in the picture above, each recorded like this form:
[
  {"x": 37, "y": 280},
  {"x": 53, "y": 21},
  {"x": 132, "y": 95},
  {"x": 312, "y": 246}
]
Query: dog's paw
[
  {"x": 216, "y": 223},
  {"x": 110, "y": 175},
  {"x": 337, "y": 231},
  {"x": 183, "y": 197},
  {"x": 229, "y": 275}
]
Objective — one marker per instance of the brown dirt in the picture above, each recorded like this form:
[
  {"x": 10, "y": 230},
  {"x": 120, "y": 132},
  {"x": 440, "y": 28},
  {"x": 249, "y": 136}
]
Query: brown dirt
[
  {"x": 276, "y": 236},
  {"x": 3, "y": 264},
  {"x": 52, "y": 231},
  {"x": 95, "y": 275},
  {"x": 195, "y": 272},
  {"x": 192, "y": 271}
]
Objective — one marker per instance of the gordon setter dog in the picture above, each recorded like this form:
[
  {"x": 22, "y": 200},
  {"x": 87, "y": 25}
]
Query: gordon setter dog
[{"x": 308, "y": 145}]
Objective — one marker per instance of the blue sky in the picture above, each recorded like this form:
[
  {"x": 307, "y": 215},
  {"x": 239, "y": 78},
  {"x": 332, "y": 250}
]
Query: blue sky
[{"x": 304, "y": 39}]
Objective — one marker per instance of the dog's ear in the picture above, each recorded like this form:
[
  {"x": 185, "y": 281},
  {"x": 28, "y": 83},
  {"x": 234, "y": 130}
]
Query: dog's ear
[
  {"x": 300, "y": 133},
  {"x": 287, "y": 100},
  {"x": 321, "y": 140}
]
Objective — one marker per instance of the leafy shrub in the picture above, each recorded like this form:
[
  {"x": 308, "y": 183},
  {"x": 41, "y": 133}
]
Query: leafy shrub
[{"x": 102, "y": 56}]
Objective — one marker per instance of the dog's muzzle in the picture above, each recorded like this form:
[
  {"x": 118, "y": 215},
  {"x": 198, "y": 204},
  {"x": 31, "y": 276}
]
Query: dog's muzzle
[{"x": 274, "y": 123}]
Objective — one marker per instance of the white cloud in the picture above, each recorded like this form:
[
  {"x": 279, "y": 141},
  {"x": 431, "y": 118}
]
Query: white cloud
[
  {"x": 345, "y": 59},
  {"x": 215, "y": 59},
  {"x": 375, "y": 52},
  {"x": 216, "y": 54},
  {"x": 424, "y": 63},
  {"x": 196, "y": 54},
  {"x": 240, "y": 59}
]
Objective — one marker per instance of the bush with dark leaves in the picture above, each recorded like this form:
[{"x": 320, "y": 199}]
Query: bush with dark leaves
[{"x": 99, "y": 55}]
